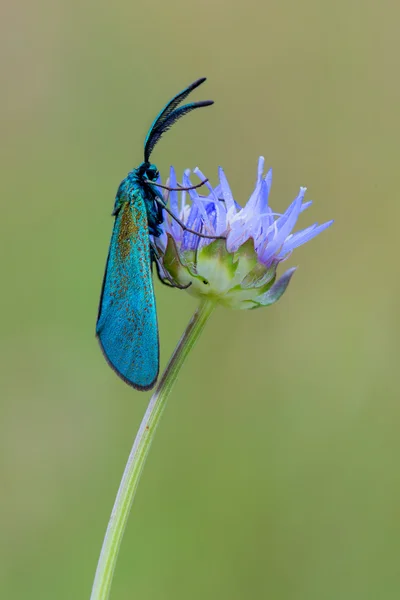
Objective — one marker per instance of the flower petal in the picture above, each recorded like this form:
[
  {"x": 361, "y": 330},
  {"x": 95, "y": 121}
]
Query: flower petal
[
  {"x": 196, "y": 200},
  {"x": 226, "y": 192},
  {"x": 284, "y": 226},
  {"x": 215, "y": 205},
  {"x": 268, "y": 180},
  {"x": 253, "y": 204},
  {"x": 305, "y": 205},
  {"x": 239, "y": 232},
  {"x": 301, "y": 237}
]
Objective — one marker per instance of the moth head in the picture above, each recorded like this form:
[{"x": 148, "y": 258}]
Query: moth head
[{"x": 151, "y": 172}]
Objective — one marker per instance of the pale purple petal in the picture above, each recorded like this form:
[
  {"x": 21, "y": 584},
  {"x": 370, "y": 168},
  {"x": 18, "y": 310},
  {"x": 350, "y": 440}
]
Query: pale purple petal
[
  {"x": 288, "y": 221},
  {"x": 219, "y": 223},
  {"x": 202, "y": 177},
  {"x": 239, "y": 232},
  {"x": 263, "y": 198},
  {"x": 226, "y": 192},
  {"x": 268, "y": 180},
  {"x": 282, "y": 220},
  {"x": 176, "y": 229},
  {"x": 253, "y": 204},
  {"x": 301, "y": 237},
  {"x": 305, "y": 205},
  {"x": 198, "y": 202}
]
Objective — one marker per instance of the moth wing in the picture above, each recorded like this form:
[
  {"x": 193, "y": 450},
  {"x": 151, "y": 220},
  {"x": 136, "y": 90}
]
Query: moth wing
[{"x": 127, "y": 321}]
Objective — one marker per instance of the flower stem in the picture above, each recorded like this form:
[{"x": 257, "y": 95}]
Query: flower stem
[{"x": 133, "y": 470}]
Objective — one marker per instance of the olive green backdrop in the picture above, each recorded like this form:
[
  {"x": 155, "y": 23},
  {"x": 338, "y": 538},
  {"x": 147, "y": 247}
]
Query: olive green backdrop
[{"x": 276, "y": 472}]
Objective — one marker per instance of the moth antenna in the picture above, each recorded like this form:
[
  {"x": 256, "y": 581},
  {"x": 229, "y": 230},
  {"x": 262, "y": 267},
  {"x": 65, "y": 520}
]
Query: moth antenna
[
  {"x": 169, "y": 115},
  {"x": 167, "y": 124}
]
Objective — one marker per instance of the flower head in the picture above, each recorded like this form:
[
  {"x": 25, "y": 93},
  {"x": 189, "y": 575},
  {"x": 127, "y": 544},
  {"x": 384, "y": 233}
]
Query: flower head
[{"x": 239, "y": 270}]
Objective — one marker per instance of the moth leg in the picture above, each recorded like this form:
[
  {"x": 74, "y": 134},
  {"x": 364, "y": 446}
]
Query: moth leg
[
  {"x": 203, "y": 235},
  {"x": 177, "y": 189}
]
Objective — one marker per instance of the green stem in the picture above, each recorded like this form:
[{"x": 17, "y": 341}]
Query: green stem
[{"x": 133, "y": 470}]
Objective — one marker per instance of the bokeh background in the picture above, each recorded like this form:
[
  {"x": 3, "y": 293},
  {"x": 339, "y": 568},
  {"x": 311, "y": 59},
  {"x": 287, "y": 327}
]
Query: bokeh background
[{"x": 275, "y": 473}]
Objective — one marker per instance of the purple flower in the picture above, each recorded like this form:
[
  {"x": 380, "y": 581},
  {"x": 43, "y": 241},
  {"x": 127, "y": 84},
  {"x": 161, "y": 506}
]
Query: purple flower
[{"x": 238, "y": 271}]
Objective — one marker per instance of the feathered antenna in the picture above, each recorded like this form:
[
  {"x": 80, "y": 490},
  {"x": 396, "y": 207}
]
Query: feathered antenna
[{"x": 170, "y": 114}]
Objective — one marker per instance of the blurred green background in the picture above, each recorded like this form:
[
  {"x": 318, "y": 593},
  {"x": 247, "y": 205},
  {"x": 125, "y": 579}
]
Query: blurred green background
[{"x": 275, "y": 473}]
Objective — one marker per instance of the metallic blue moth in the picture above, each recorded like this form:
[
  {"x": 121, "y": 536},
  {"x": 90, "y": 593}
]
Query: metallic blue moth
[{"x": 127, "y": 321}]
